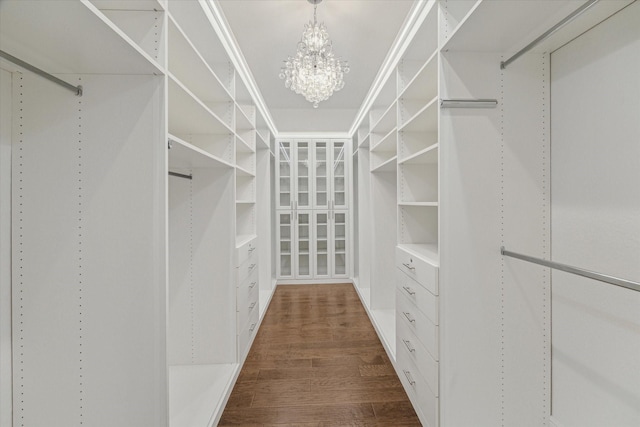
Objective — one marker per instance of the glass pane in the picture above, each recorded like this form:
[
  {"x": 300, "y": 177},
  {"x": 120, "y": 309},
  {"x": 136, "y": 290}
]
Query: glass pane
[
  {"x": 303, "y": 184},
  {"x": 341, "y": 218},
  {"x": 285, "y": 247},
  {"x": 322, "y": 232},
  {"x": 321, "y": 198},
  {"x": 303, "y": 199},
  {"x": 285, "y": 265},
  {"x": 321, "y": 184},
  {"x": 340, "y": 232},
  {"x": 339, "y": 198},
  {"x": 285, "y": 232},
  {"x": 285, "y": 184},
  {"x": 338, "y": 169},
  {"x": 321, "y": 151},
  {"x": 303, "y": 219},
  {"x": 303, "y": 232},
  {"x": 339, "y": 184},
  {"x": 303, "y": 247},
  {"x": 285, "y": 170},
  {"x": 285, "y": 219},
  {"x": 321, "y": 246},
  {"x": 321, "y": 169},
  {"x": 303, "y": 151},
  {"x": 303, "y": 170},
  {"x": 341, "y": 264},
  {"x": 323, "y": 265},
  {"x": 303, "y": 265},
  {"x": 285, "y": 199},
  {"x": 340, "y": 245}
]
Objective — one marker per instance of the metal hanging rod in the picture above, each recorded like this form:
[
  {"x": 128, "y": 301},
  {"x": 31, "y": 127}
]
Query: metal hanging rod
[
  {"x": 75, "y": 89},
  {"x": 624, "y": 283},
  {"x": 468, "y": 103},
  {"x": 180, "y": 175},
  {"x": 547, "y": 33}
]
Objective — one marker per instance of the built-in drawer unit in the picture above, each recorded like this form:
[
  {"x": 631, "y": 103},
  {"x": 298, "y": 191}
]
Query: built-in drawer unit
[
  {"x": 423, "y": 399},
  {"x": 246, "y": 269},
  {"x": 423, "y": 299},
  {"x": 246, "y": 251},
  {"x": 248, "y": 331},
  {"x": 417, "y": 268},
  {"x": 423, "y": 328},
  {"x": 247, "y": 298}
]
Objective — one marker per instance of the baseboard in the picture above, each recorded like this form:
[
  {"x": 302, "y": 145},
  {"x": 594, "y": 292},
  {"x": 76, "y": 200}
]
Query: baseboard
[{"x": 313, "y": 281}]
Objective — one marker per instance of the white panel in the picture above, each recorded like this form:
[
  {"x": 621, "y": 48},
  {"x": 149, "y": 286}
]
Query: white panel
[
  {"x": 596, "y": 206},
  {"x": 526, "y": 287},
  {"x": 202, "y": 287},
  {"x": 364, "y": 219},
  {"x": 470, "y": 389},
  {"x": 264, "y": 194},
  {"x": 90, "y": 293},
  {"x": 384, "y": 218},
  {"x": 5, "y": 248}
]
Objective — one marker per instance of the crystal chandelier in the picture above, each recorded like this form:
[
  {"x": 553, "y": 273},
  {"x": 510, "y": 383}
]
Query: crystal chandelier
[{"x": 314, "y": 72}]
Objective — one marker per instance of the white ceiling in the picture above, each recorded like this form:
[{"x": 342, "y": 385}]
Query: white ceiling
[{"x": 267, "y": 32}]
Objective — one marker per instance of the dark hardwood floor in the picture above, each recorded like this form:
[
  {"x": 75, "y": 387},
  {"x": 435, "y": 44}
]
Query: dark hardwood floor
[{"x": 317, "y": 361}]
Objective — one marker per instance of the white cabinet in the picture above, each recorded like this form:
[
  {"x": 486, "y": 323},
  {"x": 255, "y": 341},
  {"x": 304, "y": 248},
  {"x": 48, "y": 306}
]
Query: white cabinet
[{"x": 311, "y": 209}]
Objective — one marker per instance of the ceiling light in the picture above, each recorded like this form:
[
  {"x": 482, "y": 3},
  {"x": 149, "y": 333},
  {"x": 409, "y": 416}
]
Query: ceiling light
[{"x": 314, "y": 72}]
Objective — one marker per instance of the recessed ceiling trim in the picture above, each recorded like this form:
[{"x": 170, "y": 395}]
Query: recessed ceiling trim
[
  {"x": 411, "y": 25},
  {"x": 229, "y": 42}
]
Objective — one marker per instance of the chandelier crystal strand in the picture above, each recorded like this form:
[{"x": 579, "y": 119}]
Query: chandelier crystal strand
[{"x": 314, "y": 72}]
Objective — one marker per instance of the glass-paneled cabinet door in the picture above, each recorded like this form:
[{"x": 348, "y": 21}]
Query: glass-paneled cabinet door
[
  {"x": 304, "y": 233},
  {"x": 339, "y": 185},
  {"x": 286, "y": 240},
  {"x": 284, "y": 169},
  {"x": 339, "y": 250},
  {"x": 321, "y": 245},
  {"x": 303, "y": 169},
  {"x": 322, "y": 156}
]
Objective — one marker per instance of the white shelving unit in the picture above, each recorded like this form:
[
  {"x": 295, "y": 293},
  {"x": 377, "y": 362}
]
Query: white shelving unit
[{"x": 143, "y": 267}]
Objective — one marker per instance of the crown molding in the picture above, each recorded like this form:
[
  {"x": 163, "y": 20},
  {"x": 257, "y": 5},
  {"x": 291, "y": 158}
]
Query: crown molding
[
  {"x": 313, "y": 135},
  {"x": 222, "y": 28},
  {"x": 406, "y": 34}
]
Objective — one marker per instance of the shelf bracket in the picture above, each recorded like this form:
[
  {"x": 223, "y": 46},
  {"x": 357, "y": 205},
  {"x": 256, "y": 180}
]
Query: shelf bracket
[
  {"x": 468, "y": 103},
  {"x": 75, "y": 89}
]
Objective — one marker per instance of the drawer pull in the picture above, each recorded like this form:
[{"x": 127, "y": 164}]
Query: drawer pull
[
  {"x": 409, "y": 377},
  {"x": 251, "y": 249},
  {"x": 251, "y": 267},
  {"x": 408, "y": 316},
  {"x": 253, "y": 326},
  {"x": 409, "y": 266},
  {"x": 407, "y": 343},
  {"x": 409, "y": 290},
  {"x": 253, "y": 304},
  {"x": 252, "y": 285}
]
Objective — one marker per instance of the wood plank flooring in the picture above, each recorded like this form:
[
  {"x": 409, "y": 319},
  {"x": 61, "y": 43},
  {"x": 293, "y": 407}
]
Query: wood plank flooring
[{"x": 317, "y": 361}]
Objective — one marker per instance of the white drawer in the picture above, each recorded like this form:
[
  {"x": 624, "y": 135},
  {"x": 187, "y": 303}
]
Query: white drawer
[
  {"x": 407, "y": 342},
  {"x": 247, "y": 333},
  {"x": 424, "y": 300},
  {"x": 246, "y": 303},
  {"x": 246, "y": 269},
  {"x": 419, "y": 269},
  {"x": 246, "y": 251},
  {"x": 423, "y": 328},
  {"x": 418, "y": 390}
]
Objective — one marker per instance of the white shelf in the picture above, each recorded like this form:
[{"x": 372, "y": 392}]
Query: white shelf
[
  {"x": 196, "y": 393},
  {"x": 426, "y": 251},
  {"x": 188, "y": 115},
  {"x": 190, "y": 67},
  {"x": 514, "y": 24},
  {"x": 423, "y": 204},
  {"x": 388, "y": 142},
  {"x": 243, "y": 122},
  {"x": 427, "y": 155},
  {"x": 424, "y": 85},
  {"x": 241, "y": 239},
  {"x": 45, "y": 34},
  {"x": 245, "y": 202},
  {"x": 244, "y": 172},
  {"x": 128, "y": 5},
  {"x": 424, "y": 120},
  {"x": 364, "y": 143},
  {"x": 243, "y": 146},
  {"x": 389, "y": 165},
  {"x": 386, "y": 122},
  {"x": 185, "y": 155}
]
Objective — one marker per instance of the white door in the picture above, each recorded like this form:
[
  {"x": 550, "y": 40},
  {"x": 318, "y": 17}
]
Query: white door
[
  {"x": 286, "y": 242},
  {"x": 322, "y": 162},
  {"x": 303, "y": 247},
  {"x": 304, "y": 185},
  {"x": 285, "y": 185},
  {"x": 322, "y": 244},
  {"x": 338, "y": 175},
  {"x": 339, "y": 233}
]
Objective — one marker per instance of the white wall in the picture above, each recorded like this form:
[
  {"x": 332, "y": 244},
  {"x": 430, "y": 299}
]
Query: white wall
[
  {"x": 596, "y": 224},
  {"x": 5, "y": 248}
]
